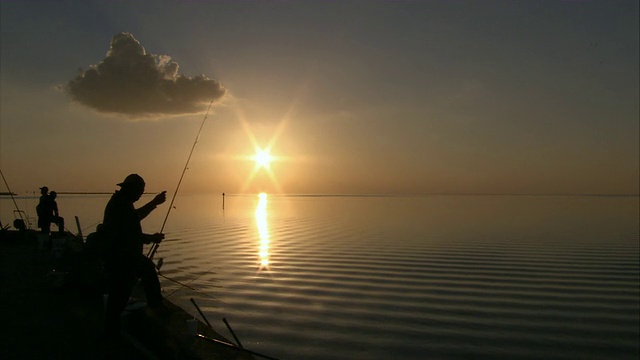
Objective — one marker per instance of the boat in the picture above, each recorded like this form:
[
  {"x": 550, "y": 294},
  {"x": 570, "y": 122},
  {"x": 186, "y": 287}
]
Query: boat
[{"x": 63, "y": 286}]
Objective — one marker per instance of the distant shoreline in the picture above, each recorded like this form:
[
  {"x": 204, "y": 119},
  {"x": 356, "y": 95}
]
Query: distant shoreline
[
  {"x": 84, "y": 193},
  {"x": 430, "y": 195}
]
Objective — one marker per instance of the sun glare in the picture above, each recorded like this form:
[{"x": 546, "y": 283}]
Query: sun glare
[
  {"x": 262, "y": 158},
  {"x": 263, "y": 231}
]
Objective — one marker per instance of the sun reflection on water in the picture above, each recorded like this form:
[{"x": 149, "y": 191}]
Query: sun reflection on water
[{"x": 263, "y": 231}]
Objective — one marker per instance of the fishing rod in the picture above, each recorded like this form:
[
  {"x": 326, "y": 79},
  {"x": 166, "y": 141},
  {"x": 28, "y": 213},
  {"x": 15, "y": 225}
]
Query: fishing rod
[
  {"x": 155, "y": 246},
  {"x": 211, "y": 327},
  {"x": 11, "y": 194},
  {"x": 233, "y": 346}
]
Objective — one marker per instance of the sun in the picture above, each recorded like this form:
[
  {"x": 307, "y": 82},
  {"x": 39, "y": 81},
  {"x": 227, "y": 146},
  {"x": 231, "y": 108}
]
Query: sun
[{"x": 262, "y": 158}]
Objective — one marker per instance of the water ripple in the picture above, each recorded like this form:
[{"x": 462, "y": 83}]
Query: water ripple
[{"x": 343, "y": 288}]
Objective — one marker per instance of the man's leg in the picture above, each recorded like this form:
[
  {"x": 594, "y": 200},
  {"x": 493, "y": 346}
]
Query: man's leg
[
  {"x": 45, "y": 227},
  {"x": 60, "y": 222},
  {"x": 150, "y": 282},
  {"x": 119, "y": 287}
]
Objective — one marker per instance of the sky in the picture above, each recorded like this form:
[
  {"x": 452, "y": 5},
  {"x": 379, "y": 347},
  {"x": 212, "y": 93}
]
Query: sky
[{"x": 347, "y": 97}]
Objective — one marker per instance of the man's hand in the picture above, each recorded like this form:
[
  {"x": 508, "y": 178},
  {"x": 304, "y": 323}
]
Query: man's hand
[
  {"x": 160, "y": 198},
  {"x": 157, "y": 238}
]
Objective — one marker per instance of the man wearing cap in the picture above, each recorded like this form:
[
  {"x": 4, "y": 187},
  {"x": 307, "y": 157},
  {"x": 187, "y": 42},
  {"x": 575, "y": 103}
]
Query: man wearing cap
[
  {"x": 43, "y": 220},
  {"x": 124, "y": 242}
]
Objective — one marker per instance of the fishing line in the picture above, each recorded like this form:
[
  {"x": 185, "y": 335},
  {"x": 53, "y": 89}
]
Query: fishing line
[
  {"x": 183, "y": 285},
  {"x": 207, "y": 295},
  {"x": 204, "y": 294},
  {"x": 192, "y": 280},
  {"x": 91, "y": 226},
  {"x": 155, "y": 246}
]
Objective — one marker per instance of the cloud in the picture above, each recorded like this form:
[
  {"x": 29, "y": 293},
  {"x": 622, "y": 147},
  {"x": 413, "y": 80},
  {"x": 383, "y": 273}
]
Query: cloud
[{"x": 131, "y": 82}]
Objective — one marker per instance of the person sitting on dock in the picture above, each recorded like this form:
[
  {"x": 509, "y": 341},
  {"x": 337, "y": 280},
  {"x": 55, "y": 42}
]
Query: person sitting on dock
[
  {"x": 56, "y": 218},
  {"x": 47, "y": 211},
  {"x": 124, "y": 260}
]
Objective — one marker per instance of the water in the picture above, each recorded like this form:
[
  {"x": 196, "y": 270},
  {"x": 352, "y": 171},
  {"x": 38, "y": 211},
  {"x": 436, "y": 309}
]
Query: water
[{"x": 440, "y": 277}]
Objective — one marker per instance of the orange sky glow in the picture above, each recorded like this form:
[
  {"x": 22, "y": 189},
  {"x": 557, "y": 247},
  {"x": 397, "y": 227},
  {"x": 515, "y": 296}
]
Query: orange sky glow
[{"x": 390, "y": 98}]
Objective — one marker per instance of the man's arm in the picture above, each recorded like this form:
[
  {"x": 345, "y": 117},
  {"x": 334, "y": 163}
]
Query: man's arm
[{"x": 146, "y": 209}]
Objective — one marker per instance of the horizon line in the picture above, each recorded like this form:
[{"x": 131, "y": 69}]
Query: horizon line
[{"x": 351, "y": 194}]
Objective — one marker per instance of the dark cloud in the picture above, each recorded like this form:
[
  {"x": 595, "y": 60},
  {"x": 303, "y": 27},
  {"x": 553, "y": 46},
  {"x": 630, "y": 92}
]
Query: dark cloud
[{"x": 131, "y": 82}]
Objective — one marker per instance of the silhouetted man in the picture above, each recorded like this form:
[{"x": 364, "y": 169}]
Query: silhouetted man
[
  {"x": 43, "y": 211},
  {"x": 55, "y": 217},
  {"x": 47, "y": 210},
  {"x": 124, "y": 260}
]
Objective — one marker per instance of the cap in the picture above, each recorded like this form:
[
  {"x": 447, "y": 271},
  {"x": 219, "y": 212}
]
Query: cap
[{"x": 132, "y": 179}]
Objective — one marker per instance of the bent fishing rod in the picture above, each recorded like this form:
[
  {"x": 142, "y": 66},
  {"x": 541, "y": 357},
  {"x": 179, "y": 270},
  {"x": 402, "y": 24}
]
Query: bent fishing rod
[{"x": 155, "y": 246}]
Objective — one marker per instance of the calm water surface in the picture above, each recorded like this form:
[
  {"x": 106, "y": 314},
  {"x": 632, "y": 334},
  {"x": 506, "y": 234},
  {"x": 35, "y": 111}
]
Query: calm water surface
[{"x": 434, "y": 277}]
